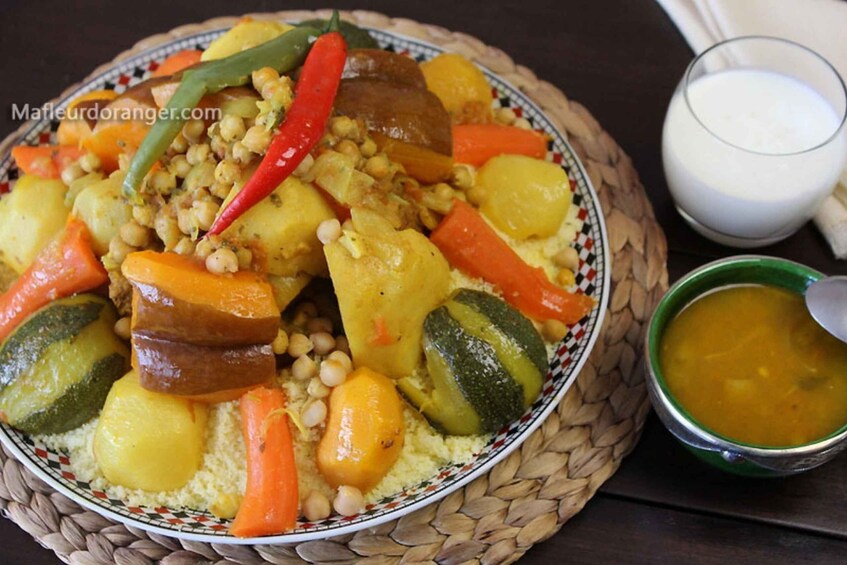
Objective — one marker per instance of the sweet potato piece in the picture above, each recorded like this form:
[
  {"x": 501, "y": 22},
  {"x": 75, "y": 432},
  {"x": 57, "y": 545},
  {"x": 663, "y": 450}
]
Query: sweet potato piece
[
  {"x": 383, "y": 65},
  {"x": 184, "y": 302},
  {"x": 399, "y": 111}
]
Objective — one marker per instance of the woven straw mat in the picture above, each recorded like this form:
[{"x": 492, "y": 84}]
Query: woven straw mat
[{"x": 527, "y": 497}]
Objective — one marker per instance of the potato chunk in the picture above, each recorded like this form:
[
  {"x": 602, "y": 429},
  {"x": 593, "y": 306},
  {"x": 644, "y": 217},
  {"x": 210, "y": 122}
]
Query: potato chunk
[
  {"x": 282, "y": 229},
  {"x": 148, "y": 440},
  {"x": 245, "y": 34},
  {"x": 524, "y": 197},
  {"x": 103, "y": 209},
  {"x": 386, "y": 282},
  {"x": 30, "y": 216}
]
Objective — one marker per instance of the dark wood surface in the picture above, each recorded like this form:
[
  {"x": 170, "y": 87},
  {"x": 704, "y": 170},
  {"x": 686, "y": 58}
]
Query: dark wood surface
[{"x": 621, "y": 59}]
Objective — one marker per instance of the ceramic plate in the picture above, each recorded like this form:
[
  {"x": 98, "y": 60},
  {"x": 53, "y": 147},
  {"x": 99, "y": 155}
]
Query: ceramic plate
[{"x": 592, "y": 278}]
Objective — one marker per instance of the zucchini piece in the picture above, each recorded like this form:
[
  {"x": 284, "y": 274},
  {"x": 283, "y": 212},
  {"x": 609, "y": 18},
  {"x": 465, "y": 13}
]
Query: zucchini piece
[
  {"x": 486, "y": 364},
  {"x": 58, "y": 366}
]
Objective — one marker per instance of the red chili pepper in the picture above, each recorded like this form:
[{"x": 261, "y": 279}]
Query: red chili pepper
[{"x": 303, "y": 127}]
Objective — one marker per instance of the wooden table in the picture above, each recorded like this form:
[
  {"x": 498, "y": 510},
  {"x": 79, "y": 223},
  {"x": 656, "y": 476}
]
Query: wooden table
[{"x": 622, "y": 59}]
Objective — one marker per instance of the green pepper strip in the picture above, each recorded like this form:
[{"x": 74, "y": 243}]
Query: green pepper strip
[{"x": 284, "y": 53}]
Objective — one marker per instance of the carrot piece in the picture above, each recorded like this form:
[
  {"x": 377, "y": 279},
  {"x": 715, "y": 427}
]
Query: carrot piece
[
  {"x": 472, "y": 246},
  {"x": 271, "y": 500},
  {"x": 381, "y": 335},
  {"x": 178, "y": 62},
  {"x": 67, "y": 265},
  {"x": 474, "y": 144},
  {"x": 45, "y": 161}
]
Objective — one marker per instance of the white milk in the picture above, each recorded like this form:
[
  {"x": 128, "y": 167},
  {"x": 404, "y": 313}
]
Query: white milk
[{"x": 755, "y": 172}]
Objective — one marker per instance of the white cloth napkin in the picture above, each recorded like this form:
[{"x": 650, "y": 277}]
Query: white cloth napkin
[{"x": 818, "y": 24}]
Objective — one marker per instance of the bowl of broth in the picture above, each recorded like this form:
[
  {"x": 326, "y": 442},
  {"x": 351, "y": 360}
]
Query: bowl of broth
[{"x": 741, "y": 374}]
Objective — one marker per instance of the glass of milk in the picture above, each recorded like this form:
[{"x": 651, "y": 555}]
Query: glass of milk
[{"x": 754, "y": 139}]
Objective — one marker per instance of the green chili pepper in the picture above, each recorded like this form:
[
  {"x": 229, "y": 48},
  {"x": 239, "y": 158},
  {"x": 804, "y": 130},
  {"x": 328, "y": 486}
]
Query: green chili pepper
[{"x": 284, "y": 53}]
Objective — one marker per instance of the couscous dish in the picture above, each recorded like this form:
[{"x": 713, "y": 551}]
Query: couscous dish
[{"x": 322, "y": 273}]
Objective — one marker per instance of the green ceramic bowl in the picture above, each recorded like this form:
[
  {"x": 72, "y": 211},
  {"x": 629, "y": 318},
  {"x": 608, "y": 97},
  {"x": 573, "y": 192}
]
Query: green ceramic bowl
[{"x": 724, "y": 453}]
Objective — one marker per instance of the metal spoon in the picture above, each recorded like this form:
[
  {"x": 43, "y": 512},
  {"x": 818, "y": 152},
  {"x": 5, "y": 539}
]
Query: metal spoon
[{"x": 826, "y": 300}]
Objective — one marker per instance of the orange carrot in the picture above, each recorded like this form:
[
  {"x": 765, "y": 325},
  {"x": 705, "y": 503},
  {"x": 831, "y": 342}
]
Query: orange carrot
[
  {"x": 178, "y": 62},
  {"x": 45, "y": 160},
  {"x": 110, "y": 139},
  {"x": 270, "y": 503},
  {"x": 381, "y": 335},
  {"x": 472, "y": 246},
  {"x": 474, "y": 144},
  {"x": 67, "y": 265}
]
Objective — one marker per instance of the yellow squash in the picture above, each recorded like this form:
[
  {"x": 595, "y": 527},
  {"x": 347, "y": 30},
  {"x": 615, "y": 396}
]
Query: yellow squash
[
  {"x": 386, "y": 282},
  {"x": 364, "y": 433}
]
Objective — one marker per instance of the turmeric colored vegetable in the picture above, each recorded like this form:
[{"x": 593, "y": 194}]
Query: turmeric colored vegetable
[
  {"x": 147, "y": 440},
  {"x": 474, "y": 144},
  {"x": 461, "y": 86},
  {"x": 66, "y": 266},
  {"x": 271, "y": 499},
  {"x": 364, "y": 433},
  {"x": 421, "y": 163},
  {"x": 72, "y": 131},
  {"x": 177, "y": 62},
  {"x": 46, "y": 161}
]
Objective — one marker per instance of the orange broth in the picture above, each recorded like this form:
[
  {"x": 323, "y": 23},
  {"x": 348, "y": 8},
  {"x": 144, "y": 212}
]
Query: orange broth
[{"x": 750, "y": 364}]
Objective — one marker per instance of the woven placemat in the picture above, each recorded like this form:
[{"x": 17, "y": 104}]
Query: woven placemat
[{"x": 527, "y": 497}]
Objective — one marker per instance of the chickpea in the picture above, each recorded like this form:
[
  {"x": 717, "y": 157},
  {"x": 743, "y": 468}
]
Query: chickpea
[
  {"x": 314, "y": 414},
  {"x": 232, "y": 128},
  {"x": 179, "y": 144},
  {"x": 222, "y": 261},
  {"x": 241, "y": 154},
  {"x": 350, "y": 149},
  {"x": 565, "y": 278},
  {"x": 316, "y": 507},
  {"x": 303, "y": 368},
  {"x": 316, "y": 388},
  {"x": 280, "y": 343},
  {"x": 118, "y": 250},
  {"x": 90, "y": 162},
  {"x": 179, "y": 166},
  {"x": 193, "y": 130},
  {"x": 204, "y": 248},
  {"x": 71, "y": 173},
  {"x": 378, "y": 166},
  {"x": 349, "y": 501},
  {"x": 263, "y": 76},
  {"x": 299, "y": 345},
  {"x": 198, "y": 153},
  {"x": 332, "y": 372},
  {"x": 463, "y": 177},
  {"x": 144, "y": 215},
  {"x": 135, "y": 234},
  {"x": 204, "y": 212},
  {"x": 567, "y": 258},
  {"x": 368, "y": 148},
  {"x": 122, "y": 328},
  {"x": 323, "y": 342},
  {"x": 522, "y": 123},
  {"x": 505, "y": 116},
  {"x": 167, "y": 230},
  {"x": 185, "y": 246},
  {"x": 328, "y": 231},
  {"x": 256, "y": 139},
  {"x": 162, "y": 182},
  {"x": 245, "y": 258},
  {"x": 344, "y": 127},
  {"x": 227, "y": 172}
]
